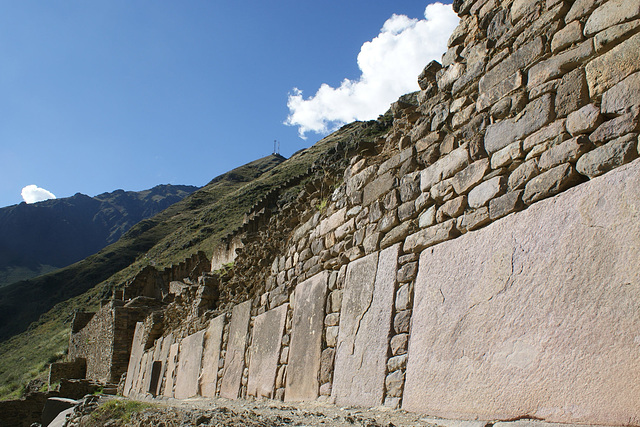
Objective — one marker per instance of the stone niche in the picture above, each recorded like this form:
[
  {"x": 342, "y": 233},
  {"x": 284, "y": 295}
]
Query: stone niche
[
  {"x": 365, "y": 323},
  {"x": 537, "y": 315}
]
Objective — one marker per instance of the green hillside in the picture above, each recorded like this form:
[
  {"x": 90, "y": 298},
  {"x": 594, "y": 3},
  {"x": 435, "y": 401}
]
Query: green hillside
[{"x": 198, "y": 222}]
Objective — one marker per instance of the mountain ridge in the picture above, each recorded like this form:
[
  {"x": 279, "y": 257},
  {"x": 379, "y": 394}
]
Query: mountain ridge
[{"x": 41, "y": 237}]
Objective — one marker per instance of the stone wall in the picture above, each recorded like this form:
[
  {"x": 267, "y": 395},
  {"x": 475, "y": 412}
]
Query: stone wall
[
  {"x": 473, "y": 263},
  {"x": 105, "y": 341}
]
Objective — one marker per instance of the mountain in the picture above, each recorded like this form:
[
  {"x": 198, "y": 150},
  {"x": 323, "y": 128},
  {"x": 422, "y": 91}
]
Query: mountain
[
  {"x": 35, "y": 314},
  {"x": 42, "y": 237}
]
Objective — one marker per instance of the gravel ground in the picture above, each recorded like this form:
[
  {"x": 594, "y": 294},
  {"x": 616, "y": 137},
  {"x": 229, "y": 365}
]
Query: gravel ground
[{"x": 249, "y": 413}]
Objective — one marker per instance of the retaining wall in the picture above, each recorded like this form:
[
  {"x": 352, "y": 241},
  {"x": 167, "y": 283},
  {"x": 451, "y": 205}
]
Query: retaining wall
[{"x": 476, "y": 265}]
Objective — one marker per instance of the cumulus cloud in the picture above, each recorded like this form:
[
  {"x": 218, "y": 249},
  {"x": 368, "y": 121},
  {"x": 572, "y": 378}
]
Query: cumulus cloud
[
  {"x": 390, "y": 65},
  {"x": 32, "y": 194}
]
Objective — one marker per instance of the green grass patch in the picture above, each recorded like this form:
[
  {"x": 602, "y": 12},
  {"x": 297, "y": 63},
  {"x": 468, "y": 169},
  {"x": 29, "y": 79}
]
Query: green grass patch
[{"x": 119, "y": 410}]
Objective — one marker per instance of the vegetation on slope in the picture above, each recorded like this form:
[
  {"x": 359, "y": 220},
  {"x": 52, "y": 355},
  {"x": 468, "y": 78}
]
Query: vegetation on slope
[
  {"x": 41, "y": 237},
  {"x": 196, "y": 223}
]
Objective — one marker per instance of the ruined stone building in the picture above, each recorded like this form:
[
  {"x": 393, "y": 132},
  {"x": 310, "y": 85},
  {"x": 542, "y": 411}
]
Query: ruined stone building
[{"x": 479, "y": 261}]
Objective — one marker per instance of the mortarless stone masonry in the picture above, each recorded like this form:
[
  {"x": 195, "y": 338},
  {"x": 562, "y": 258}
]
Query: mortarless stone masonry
[{"x": 519, "y": 148}]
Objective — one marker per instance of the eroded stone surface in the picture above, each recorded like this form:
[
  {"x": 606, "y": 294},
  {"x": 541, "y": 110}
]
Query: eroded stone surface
[
  {"x": 305, "y": 350},
  {"x": 137, "y": 350},
  {"x": 537, "y": 300},
  {"x": 365, "y": 321},
  {"x": 211, "y": 356},
  {"x": 265, "y": 351},
  {"x": 234, "y": 359},
  {"x": 189, "y": 366},
  {"x": 171, "y": 370}
]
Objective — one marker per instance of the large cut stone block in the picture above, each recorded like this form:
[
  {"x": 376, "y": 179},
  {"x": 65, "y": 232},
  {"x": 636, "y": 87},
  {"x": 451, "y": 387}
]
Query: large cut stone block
[
  {"x": 137, "y": 350},
  {"x": 211, "y": 356},
  {"x": 539, "y": 315},
  {"x": 305, "y": 350},
  {"x": 236, "y": 346},
  {"x": 189, "y": 365},
  {"x": 164, "y": 358},
  {"x": 170, "y": 375},
  {"x": 365, "y": 323},
  {"x": 265, "y": 351},
  {"x": 137, "y": 384}
]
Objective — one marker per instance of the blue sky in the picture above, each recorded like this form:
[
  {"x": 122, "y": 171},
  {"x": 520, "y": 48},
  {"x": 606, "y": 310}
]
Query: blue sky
[{"x": 101, "y": 95}]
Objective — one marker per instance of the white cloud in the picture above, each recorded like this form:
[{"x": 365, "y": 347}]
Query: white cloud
[
  {"x": 390, "y": 65},
  {"x": 33, "y": 193}
]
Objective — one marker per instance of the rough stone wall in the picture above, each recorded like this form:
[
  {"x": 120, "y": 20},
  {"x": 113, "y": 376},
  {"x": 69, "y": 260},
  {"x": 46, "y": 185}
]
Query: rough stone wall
[
  {"x": 532, "y": 98},
  {"x": 105, "y": 341}
]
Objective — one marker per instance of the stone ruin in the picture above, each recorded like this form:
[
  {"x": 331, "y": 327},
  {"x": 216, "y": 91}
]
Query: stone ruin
[{"x": 481, "y": 262}]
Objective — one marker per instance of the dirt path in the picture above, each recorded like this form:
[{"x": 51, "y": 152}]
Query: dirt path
[{"x": 248, "y": 413}]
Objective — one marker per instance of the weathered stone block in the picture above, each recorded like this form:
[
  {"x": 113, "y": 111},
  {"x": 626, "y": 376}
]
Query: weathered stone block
[
  {"x": 568, "y": 151},
  {"x": 394, "y": 382},
  {"x": 444, "y": 168},
  {"x": 470, "y": 176},
  {"x": 397, "y": 362},
  {"x": 401, "y": 321},
  {"x": 572, "y": 92},
  {"x": 536, "y": 114},
  {"x": 406, "y": 211},
  {"x": 503, "y": 88},
  {"x": 326, "y": 365},
  {"x": 265, "y": 351},
  {"x": 137, "y": 350},
  {"x": 397, "y": 234},
  {"x": 364, "y": 328},
  {"x": 613, "y": 66},
  {"x": 622, "y": 96},
  {"x": 584, "y": 120},
  {"x": 545, "y": 134},
  {"x": 332, "y": 222},
  {"x": 474, "y": 219},
  {"x": 189, "y": 366},
  {"x": 211, "y": 356},
  {"x": 609, "y": 156},
  {"x": 570, "y": 34},
  {"x": 519, "y": 60},
  {"x": 427, "y": 218},
  {"x": 398, "y": 344},
  {"x": 608, "y": 38},
  {"x": 236, "y": 346},
  {"x": 616, "y": 128},
  {"x": 481, "y": 194},
  {"x": 611, "y": 13},
  {"x": 430, "y": 236},
  {"x": 306, "y": 339},
  {"x": 451, "y": 209},
  {"x": 580, "y": 8},
  {"x": 377, "y": 188},
  {"x": 403, "y": 297},
  {"x": 506, "y": 204},
  {"x": 537, "y": 313},
  {"x": 171, "y": 370},
  {"x": 442, "y": 191},
  {"x": 557, "y": 65},
  {"x": 506, "y": 155},
  {"x": 550, "y": 183}
]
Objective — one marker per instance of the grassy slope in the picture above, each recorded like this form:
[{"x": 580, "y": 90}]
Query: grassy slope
[{"x": 196, "y": 223}]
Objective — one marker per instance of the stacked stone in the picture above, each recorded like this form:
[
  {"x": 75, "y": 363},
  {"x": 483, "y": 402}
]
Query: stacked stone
[
  {"x": 331, "y": 329},
  {"x": 531, "y": 98}
]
